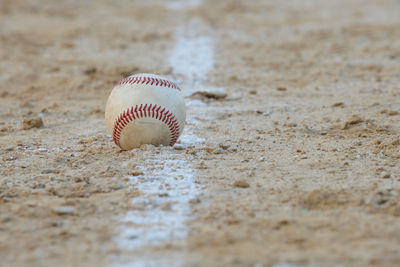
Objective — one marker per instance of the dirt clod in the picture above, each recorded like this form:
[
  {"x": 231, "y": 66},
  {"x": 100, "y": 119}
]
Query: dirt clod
[
  {"x": 32, "y": 123},
  {"x": 136, "y": 173},
  {"x": 253, "y": 92},
  {"x": 338, "y": 104},
  {"x": 217, "y": 95},
  {"x": 63, "y": 210},
  {"x": 354, "y": 120},
  {"x": 179, "y": 147},
  {"x": 241, "y": 184}
]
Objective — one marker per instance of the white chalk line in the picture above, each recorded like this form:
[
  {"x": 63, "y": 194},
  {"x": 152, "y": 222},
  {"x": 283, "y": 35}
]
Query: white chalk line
[
  {"x": 183, "y": 4},
  {"x": 193, "y": 55},
  {"x": 168, "y": 185}
]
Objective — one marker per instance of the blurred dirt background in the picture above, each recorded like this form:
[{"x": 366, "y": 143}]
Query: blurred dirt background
[{"x": 300, "y": 161}]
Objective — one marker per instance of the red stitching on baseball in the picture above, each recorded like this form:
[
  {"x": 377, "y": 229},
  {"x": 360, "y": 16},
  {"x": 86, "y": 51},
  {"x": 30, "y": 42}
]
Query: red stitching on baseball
[
  {"x": 149, "y": 80},
  {"x": 148, "y": 110}
]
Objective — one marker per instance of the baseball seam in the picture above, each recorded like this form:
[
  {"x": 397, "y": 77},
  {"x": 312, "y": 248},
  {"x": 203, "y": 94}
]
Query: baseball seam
[
  {"x": 146, "y": 111},
  {"x": 149, "y": 80}
]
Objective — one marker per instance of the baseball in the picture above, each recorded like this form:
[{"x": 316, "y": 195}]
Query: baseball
[{"x": 145, "y": 109}]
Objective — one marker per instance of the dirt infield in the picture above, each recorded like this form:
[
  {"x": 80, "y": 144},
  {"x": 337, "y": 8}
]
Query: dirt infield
[{"x": 290, "y": 155}]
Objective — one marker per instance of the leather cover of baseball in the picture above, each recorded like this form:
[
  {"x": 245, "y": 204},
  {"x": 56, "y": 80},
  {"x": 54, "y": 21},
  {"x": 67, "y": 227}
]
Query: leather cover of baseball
[{"x": 145, "y": 109}]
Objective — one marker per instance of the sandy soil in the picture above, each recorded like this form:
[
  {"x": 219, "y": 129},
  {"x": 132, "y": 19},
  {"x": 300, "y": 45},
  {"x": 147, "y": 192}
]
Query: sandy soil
[{"x": 296, "y": 166}]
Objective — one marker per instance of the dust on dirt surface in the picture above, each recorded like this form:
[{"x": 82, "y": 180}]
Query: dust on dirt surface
[{"x": 297, "y": 162}]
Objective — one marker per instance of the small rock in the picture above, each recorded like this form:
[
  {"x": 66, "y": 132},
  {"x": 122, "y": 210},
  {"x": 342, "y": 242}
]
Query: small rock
[
  {"x": 55, "y": 69},
  {"x": 241, "y": 184},
  {"x": 385, "y": 175},
  {"x": 133, "y": 237},
  {"x": 9, "y": 158},
  {"x": 389, "y": 112},
  {"x": 234, "y": 78},
  {"x": 179, "y": 147},
  {"x": 209, "y": 150},
  {"x": 32, "y": 123},
  {"x": 219, "y": 151},
  {"x": 224, "y": 146},
  {"x": 47, "y": 171},
  {"x": 213, "y": 93},
  {"x": 63, "y": 210},
  {"x": 56, "y": 223},
  {"x": 38, "y": 186},
  {"x": 7, "y": 129},
  {"x": 31, "y": 204},
  {"x": 281, "y": 89},
  {"x": 253, "y": 92},
  {"x": 136, "y": 173},
  {"x": 194, "y": 201},
  {"x": 338, "y": 104},
  {"x": 90, "y": 71},
  {"x": 355, "y": 119}
]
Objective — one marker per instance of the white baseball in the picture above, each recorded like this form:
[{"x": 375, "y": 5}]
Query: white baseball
[{"x": 145, "y": 109}]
